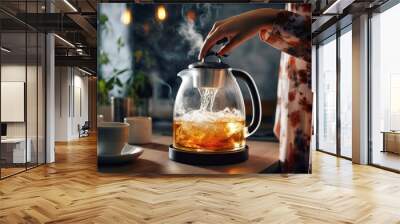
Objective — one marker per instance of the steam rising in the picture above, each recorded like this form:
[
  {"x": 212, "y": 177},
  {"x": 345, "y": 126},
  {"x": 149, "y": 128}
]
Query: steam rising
[
  {"x": 189, "y": 33},
  {"x": 254, "y": 56},
  {"x": 203, "y": 15}
]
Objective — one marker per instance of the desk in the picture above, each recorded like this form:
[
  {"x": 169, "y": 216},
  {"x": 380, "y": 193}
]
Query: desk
[
  {"x": 154, "y": 160},
  {"x": 13, "y": 150},
  {"x": 391, "y": 141}
]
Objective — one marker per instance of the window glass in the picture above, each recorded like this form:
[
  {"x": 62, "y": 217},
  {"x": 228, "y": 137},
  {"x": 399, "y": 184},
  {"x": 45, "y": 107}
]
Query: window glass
[
  {"x": 345, "y": 93},
  {"x": 327, "y": 96},
  {"x": 22, "y": 90},
  {"x": 15, "y": 149},
  {"x": 385, "y": 89}
]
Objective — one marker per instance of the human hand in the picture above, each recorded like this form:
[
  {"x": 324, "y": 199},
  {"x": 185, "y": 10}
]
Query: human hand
[{"x": 237, "y": 29}]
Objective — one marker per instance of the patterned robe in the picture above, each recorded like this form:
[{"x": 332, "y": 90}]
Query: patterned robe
[{"x": 291, "y": 33}]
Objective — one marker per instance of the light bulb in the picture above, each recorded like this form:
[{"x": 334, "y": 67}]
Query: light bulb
[
  {"x": 126, "y": 17},
  {"x": 161, "y": 13}
]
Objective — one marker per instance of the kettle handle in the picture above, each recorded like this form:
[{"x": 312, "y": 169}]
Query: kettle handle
[{"x": 255, "y": 99}]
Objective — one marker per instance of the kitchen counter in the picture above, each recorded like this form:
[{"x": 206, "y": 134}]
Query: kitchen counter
[{"x": 154, "y": 160}]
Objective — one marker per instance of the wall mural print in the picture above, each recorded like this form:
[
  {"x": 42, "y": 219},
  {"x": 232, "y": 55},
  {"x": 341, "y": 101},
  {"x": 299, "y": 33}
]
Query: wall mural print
[{"x": 204, "y": 88}]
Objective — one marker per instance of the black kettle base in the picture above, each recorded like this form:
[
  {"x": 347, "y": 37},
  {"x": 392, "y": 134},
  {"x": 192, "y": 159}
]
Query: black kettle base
[{"x": 208, "y": 159}]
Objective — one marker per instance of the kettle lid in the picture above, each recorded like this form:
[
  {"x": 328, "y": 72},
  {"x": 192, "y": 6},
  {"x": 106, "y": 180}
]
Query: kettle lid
[{"x": 210, "y": 64}]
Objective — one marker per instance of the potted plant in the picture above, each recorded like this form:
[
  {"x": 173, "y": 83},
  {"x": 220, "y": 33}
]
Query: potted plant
[
  {"x": 111, "y": 90},
  {"x": 140, "y": 87},
  {"x": 141, "y": 91}
]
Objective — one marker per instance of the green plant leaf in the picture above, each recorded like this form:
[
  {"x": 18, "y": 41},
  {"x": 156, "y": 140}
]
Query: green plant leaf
[
  {"x": 118, "y": 82},
  {"x": 102, "y": 92},
  {"x": 103, "y": 58},
  {"x": 101, "y": 85},
  {"x": 120, "y": 43},
  {"x": 110, "y": 83},
  {"x": 103, "y": 19},
  {"x": 119, "y": 72}
]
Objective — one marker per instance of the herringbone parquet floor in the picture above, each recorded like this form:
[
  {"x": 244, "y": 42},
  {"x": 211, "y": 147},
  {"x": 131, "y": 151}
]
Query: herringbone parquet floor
[{"x": 72, "y": 191}]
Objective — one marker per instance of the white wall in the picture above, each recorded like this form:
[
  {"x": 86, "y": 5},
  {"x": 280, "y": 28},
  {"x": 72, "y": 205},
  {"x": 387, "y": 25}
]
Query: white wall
[
  {"x": 33, "y": 126},
  {"x": 81, "y": 94},
  {"x": 61, "y": 103},
  {"x": 71, "y": 93},
  {"x": 11, "y": 73},
  {"x": 16, "y": 72}
]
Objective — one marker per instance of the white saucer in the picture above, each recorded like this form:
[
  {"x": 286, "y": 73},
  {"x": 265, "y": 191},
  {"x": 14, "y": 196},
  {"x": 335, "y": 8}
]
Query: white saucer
[{"x": 128, "y": 154}]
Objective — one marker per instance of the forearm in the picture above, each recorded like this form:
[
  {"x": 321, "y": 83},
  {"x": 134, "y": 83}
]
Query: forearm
[
  {"x": 264, "y": 18},
  {"x": 240, "y": 28},
  {"x": 289, "y": 32}
]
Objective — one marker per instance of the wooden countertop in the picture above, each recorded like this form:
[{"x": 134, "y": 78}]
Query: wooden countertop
[{"x": 154, "y": 160}]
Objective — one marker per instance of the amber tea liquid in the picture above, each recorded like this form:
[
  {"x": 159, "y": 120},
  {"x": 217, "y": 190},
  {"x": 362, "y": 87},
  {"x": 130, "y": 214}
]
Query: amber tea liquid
[
  {"x": 224, "y": 135},
  {"x": 205, "y": 130}
]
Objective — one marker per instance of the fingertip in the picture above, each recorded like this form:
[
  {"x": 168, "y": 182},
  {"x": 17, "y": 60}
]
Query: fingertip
[
  {"x": 223, "y": 51},
  {"x": 201, "y": 53}
]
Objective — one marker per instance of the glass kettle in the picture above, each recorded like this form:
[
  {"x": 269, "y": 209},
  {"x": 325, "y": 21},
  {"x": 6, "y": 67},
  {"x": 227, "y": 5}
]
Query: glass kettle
[{"x": 209, "y": 111}]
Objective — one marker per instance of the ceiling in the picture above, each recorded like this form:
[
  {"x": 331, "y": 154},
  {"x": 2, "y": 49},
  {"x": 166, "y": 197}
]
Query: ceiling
[
  {"x": 74, "y": 22},
  {"x": 332, "y": 15}
]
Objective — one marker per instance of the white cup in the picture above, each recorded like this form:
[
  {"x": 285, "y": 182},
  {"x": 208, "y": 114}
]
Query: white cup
[
  {"x": 140, "y": 130},
  {"x": 111, "y": 138}
]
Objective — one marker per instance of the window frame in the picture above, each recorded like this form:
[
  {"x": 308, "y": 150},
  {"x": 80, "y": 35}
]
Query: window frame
[
  {"x": 27, "y": 29},
  {"x": 334, "y": 37},
  {"x": 378, "y": 10}
]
